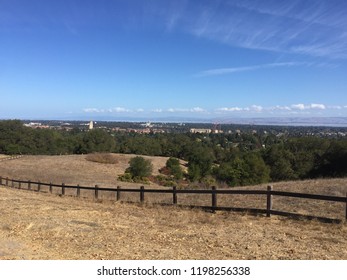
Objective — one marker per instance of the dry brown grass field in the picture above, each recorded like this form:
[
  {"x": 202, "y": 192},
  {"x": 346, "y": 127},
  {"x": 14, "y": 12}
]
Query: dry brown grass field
[
  {"x": 45, "y": 226},
  {"x": 72, "y": 169}
]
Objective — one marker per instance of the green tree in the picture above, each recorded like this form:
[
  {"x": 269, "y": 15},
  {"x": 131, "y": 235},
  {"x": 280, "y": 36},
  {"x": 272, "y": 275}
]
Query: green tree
[
  {"x": 194, "y": 172},
  {"x": 173, "y": 165},
  {"x": 333, "y": 163},
  {"x": 230, "y": 172},
  {"x": 93, "y": 141},
  {"x": 280, "y": 161},
  {"x": 305, "y": 151},
  {"x": 200, "y": 162},
  {"x": 139, "y": 167},
  {"x": 255, "y": 170},
  {"x": 243, "y": 169}
]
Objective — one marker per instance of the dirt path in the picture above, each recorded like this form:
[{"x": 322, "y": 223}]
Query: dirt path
[{"x": 43, "y": 226}]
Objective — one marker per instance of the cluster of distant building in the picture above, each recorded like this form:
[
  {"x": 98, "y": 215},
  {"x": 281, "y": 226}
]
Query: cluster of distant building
[
  {"x": 62, "y": 126},
  {"x": 145, "y": 128},
  {"x": 155, "y": 128},
  {"x": 206, "y": 130},
  {"x": 36, "y": 125}
]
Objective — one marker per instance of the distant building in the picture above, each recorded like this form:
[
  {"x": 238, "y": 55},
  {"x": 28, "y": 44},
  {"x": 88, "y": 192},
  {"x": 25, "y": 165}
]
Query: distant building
[
  {"x": 36, "y": 125},
  {"x": 200, "y": 130},
  {"x": 147, "y": 124},
  {"x": 33, "y": 124},
  {"x": 91, "y": 125}
]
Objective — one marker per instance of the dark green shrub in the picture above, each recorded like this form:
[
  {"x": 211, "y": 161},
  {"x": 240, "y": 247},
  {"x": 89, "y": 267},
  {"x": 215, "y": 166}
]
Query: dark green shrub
[{"x": 139, "y": 167}]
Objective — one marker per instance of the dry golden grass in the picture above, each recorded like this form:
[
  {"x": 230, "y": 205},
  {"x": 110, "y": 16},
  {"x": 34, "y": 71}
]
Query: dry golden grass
[
  {"x": 73, "y": 169},
  {"x": 43, "y": 226}
]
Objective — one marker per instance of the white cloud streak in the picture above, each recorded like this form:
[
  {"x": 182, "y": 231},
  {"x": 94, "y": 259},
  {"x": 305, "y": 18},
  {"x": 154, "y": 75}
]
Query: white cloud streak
[
  {"x": 232, "y": 109},
  {"x": 318, "y": 106},
  {"x": 294, "y": 108},
  {"x": 180, "y": 110},
  {"x": 314, "y": 28},
  {"x": 298, "y": 106},
  {"x": 224, "y": 71},
  {"x": 301, "y": 106},
  {"x": 91, "y": 110},
  {"x": 111, "y": 110}
]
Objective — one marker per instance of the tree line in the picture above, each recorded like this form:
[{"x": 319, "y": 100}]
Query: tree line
[{"x": 235, "y": 159}]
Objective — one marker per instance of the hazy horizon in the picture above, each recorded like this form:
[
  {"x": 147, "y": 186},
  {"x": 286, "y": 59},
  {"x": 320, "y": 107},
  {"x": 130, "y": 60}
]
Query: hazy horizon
[{"x": 268, "y": 121}]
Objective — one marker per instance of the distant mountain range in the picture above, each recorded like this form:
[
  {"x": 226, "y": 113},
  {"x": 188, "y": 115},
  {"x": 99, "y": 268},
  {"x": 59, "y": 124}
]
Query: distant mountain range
[{"x": 286, "y": 121}]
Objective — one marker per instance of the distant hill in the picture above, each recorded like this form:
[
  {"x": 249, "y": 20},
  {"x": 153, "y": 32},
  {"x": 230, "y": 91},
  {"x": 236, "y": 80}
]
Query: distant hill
[{"x": 314, "y": 121}]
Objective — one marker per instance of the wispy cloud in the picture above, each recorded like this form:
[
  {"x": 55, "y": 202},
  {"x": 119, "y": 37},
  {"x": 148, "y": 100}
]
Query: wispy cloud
[
  {"x": 337, "y": 107},
  {"x": 223, "y": 71},
  {"x": 111, "y": 110},
  {"x": 314, "y": 28},
  {"x": 119, "y": 110},
  {"x": 141, "y": 110},
  {"x": 253, "y": 108},
  {"x": 232, "y": 109},
  {"x": 91, "y": 110},
  {"x": 183, "y": 110},
  {"x": 301, "y": 106},
  {"x": 318, "y": 106},
  {"x": 298, "y": 106},
  {"x": 294, "y": 108}
]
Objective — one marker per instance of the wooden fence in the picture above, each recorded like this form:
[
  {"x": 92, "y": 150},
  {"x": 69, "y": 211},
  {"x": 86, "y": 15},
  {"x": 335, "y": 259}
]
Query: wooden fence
[{"x": 213, "y": 192}]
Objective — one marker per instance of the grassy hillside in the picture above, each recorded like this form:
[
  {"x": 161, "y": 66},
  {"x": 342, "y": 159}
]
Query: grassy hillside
[
  {"x": 44, "y": 226},
  {"x": 72, "y": 169},
  {"x": 75, "y": 169}
]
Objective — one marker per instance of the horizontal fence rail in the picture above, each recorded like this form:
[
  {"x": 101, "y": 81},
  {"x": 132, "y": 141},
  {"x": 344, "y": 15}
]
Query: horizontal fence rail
[{"x": 214, "y": 192}]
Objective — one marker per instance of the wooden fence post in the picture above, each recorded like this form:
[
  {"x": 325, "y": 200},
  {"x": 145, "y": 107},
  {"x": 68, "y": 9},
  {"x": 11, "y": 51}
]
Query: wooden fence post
[
  {"x": 12, "y": 183},
  {"x": 142, "y": 194},
  {"x": 62, "y": 189},
  {"x": 0, "y": 180},
  {"x": 214, "y": 199},
  {"x": 6, "y": 181},
  {"x": 50, "y": 187},
  {"x": 78, "y": 191},
  {"x": 19, "y": 185},
  {"x": 118, "y": 193},
  {"x": 268, "y": 201},
  {"x": 39, "y": 186},
  {"x": 174, "y": 195},
  {"x": 96, "y": 194},
  {"x": 29, "y": 185}
]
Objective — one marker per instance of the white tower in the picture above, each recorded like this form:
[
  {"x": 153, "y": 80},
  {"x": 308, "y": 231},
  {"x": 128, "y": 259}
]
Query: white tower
[{"x": 91, "y": 125}]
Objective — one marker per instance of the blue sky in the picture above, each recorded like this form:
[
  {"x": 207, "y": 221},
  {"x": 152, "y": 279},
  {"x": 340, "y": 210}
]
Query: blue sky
[{"x": 150, "y": 59}]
